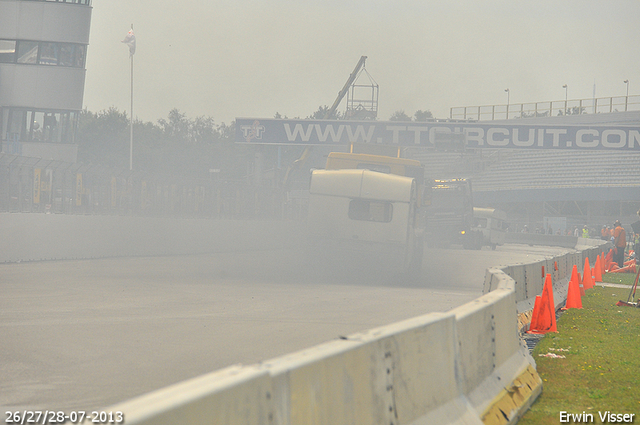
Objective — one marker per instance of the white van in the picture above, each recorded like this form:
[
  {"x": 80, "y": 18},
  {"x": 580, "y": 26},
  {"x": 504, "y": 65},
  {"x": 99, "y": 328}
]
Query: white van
[{"x": 491, "y": 224}]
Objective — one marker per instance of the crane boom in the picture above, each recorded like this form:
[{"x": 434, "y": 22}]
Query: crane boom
[
  {"x": 307, "y": 150},
  {"x": 344, "y": 90}
]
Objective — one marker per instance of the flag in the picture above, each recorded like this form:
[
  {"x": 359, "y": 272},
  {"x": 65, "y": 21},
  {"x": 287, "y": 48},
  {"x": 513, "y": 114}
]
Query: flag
[{"x": 130, "y": 40}]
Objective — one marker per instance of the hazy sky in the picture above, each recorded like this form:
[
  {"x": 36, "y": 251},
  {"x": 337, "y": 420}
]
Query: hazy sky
[{"x": 253, "y": 58}]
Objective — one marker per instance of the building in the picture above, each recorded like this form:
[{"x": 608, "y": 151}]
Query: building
[{"x": 43, "y": 49}]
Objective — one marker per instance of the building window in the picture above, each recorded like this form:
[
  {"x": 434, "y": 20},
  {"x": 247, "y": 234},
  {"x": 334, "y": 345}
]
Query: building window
[
  {"x": 48, "y": 54},
  {"x": 84, "y": 2},
  {"x": 42, "y": 53},
  {"x": 7, "y": 51},
  {"x": 39, "y": 126},
  {"x": 28, "y": 52}
]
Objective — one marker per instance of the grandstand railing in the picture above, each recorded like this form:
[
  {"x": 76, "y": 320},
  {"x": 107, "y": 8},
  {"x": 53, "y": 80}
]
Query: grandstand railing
[{"x": 547, "y": 109}]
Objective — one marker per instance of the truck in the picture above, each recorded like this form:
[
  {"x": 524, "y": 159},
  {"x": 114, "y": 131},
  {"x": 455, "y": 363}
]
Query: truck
[{"x": 449, "y": 216}]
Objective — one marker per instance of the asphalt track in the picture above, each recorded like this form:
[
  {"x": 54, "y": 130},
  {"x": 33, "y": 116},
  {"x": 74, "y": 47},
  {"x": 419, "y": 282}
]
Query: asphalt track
[{"x": 83, "y": 335}]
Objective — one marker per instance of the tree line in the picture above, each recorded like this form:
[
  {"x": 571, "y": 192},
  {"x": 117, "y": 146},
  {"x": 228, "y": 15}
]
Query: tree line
[{"x": 176, "y": 144}]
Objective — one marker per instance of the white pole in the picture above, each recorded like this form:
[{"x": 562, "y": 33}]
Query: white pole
[{"x": 131, "y": 119}]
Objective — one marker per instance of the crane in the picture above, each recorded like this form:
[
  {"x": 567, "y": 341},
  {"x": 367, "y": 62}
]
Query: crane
[{"x": 341, "y": 94}]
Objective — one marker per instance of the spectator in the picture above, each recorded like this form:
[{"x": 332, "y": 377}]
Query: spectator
[
  {"x": 576, "y": 231},
  {"x": 619, "y": 243}
]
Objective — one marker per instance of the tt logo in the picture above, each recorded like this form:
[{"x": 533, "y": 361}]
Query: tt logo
[{"x": 250, "y": 132}]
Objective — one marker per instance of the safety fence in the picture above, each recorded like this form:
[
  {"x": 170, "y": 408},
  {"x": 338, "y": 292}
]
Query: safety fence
[
  {"x": 466, "y": 366},
  {"x": 547, "y": 109},
  {"x": 49, "y": 186}
]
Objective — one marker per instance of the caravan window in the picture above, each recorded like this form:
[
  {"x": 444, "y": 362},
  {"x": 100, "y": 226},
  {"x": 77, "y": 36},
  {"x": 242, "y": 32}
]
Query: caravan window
[
  {"x": 360, "y": 209},
  {"x": 481, "y": 222}
]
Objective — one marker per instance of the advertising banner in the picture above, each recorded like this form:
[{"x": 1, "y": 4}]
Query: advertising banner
[{"x": 447, "y": 135}]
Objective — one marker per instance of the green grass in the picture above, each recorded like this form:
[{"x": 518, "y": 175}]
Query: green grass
[
  {"x": 623, "y": 278},
  {"x": 601, "y": 370}
]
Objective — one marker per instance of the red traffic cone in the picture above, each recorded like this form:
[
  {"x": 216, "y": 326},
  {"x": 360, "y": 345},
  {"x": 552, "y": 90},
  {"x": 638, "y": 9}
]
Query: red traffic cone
[
  {"x": 576, "y": 276},
  {"x": 626, "y": 269},
  {"x": 574, "y": 298},
  {"x": 598, "y": 270},
  {"x": 608, "y": 260},
  {"x": 536, "y": 312},
  {"x": 587, "y": 282},
  {"x": 546, "y": 318}
]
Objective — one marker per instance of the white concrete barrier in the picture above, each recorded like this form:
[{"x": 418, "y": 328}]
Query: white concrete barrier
[
  {"x": 467, "y": 366},
  {"x": 235, "y": 395},
  {"x": 529, "y": 278}
]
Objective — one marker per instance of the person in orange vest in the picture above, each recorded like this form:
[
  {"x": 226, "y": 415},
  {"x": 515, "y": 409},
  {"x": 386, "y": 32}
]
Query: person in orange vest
[{"x": 619, "y": 243}]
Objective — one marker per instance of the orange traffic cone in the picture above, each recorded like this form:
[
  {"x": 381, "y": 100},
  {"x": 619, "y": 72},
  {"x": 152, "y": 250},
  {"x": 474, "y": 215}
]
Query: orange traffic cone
[
  {"x": 536, "y": 313},
  {"x": 548, "y": 286},
  {"x": 574, "y": 273},
  {"x": 542, "y": 271},
  {"x": 545, "y": 321},
  {"x": 581, "y": 285},
  {"x": 626, "y": 269},
  {"x": 574, "y": 298},
  {"x": 587, "y": 281},
  {"x": 602, "y": 263},
  {"x": 608, "y": 260},
  {"x": 598, "y": 270}
]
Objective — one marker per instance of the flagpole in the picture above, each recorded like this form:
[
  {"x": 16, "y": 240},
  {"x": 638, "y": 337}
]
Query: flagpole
[{"x": 131, "y": 118}]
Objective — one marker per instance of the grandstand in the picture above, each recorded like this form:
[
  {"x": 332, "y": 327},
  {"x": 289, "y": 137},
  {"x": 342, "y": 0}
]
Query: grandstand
[{"x": 587, "y": 187}]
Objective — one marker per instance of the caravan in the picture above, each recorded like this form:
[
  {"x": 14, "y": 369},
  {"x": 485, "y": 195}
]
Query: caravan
[
  {"x": 366, "y": 214},
  {"x": 491, "y": 225}
]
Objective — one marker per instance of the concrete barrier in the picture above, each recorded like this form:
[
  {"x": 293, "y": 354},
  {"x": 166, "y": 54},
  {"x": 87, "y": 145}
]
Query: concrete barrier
[
  {"x": 235, "y": 395},
  {"x": 467, "y": 366},
  {"x": 529, "y": 278}
]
